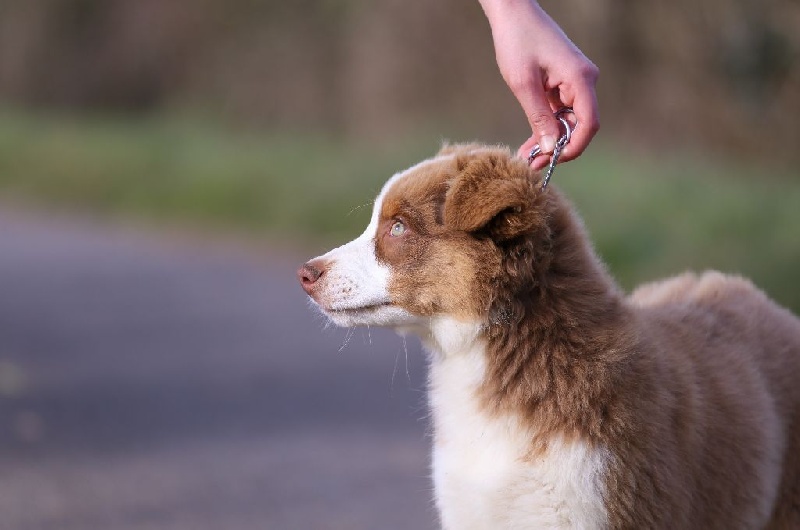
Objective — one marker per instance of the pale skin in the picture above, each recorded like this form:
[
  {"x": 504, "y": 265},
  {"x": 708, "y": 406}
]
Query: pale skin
[{"x": 545, "y": 71}]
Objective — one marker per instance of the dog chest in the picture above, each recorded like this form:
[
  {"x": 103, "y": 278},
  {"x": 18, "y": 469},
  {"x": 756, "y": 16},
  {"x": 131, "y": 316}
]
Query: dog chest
[{"x": 484, "y": 475}]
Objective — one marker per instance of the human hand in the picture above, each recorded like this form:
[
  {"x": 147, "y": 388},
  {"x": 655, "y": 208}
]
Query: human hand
[{"x": 545, "y": 71}]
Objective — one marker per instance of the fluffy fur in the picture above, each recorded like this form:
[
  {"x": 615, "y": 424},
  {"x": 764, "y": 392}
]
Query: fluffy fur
[{"x": 557, "y": 401}]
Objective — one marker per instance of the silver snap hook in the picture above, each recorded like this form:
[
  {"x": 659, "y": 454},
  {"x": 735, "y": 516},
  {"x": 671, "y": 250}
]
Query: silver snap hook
[{"x": 565, "y": 137}]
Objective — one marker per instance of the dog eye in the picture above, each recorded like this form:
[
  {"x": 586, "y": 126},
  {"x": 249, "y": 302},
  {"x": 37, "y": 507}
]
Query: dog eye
[{"x": 398, "y": 229}]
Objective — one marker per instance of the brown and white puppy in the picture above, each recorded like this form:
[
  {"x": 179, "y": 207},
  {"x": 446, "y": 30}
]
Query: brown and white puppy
[{"x": 558, "y": 402}]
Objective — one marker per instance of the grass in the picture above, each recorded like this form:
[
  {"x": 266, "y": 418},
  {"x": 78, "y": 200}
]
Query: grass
[
  {"x": 178, "y": 171},
  {"x": 648, "y": 217}
]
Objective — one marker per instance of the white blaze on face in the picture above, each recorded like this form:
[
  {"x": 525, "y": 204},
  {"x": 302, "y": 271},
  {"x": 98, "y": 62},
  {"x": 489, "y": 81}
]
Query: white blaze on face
[
  {"x": 354, "y": 288},
  {"x": 354, "y": 277}
]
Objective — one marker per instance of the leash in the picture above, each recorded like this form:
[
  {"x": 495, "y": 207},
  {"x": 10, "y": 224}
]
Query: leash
[{"x": 560, "y": 144}]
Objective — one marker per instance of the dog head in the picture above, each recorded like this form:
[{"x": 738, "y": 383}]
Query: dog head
[{"x": 439, "y": 244}]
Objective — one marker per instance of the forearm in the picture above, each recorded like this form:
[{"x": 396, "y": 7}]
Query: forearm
[
  {"x": 516, "y": 15},
  {"x": 528, "y": 12}
]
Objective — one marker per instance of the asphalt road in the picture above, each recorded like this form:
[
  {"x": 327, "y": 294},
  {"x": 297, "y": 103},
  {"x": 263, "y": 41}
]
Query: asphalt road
[{"x": 152, "y": 384}]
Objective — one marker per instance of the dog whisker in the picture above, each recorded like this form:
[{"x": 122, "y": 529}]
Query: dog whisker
[
  {"x": 358, "y": 207},
  {"x": 394, "y": 371},
  {"x": 347, "y": 337},
  {"x": 405, "y": 348}
]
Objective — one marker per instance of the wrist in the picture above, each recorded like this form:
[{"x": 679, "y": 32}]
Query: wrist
[{"x": 498, "y": 10}]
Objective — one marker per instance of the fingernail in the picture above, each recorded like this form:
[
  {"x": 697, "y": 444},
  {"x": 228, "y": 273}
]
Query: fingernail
[{"x": 547, "y": 143}]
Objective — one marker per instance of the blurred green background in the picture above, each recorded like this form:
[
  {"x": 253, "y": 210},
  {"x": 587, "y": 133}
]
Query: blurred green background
[{"x": 281, "y": 120}]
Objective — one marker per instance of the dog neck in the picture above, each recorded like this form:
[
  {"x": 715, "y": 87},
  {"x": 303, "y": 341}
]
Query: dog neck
[
  {"x": 553, "y": 354},
  {"x": 553, "y": 332}
]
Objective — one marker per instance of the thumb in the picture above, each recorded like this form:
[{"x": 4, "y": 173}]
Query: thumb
[{"x": 544, "y": 125}]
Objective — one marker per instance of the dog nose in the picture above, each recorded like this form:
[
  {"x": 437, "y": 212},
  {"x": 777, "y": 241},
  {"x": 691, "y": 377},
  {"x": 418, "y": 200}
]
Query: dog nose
[{"x": 308, "y": 275}]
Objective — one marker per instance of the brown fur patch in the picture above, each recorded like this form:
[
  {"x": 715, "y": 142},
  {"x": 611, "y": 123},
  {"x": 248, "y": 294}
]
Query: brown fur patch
[
  {"x": 492, "y": 193},
  {"x": 433, "y": 266}
]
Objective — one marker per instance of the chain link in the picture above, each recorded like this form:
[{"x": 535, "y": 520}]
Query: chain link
[{"x": 560, "y": 144}]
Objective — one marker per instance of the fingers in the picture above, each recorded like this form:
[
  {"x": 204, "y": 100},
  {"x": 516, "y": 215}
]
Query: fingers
[
  {"x": 586, "y": 112},
  {"x": 585, "y": 108},
  {"x": 540, "y": 161},
  {"x": 539, "y": 106},
  {"x": 531, "y": 94}
]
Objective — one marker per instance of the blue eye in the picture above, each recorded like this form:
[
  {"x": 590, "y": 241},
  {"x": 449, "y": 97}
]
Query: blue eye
[{"x": 398, "y": 229}]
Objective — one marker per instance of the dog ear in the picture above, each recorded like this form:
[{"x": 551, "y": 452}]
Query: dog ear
[{"x": 492, "y": 194}]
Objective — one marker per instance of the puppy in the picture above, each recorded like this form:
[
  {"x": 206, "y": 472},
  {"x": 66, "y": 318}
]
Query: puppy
[{"x": 557, "y": 401}]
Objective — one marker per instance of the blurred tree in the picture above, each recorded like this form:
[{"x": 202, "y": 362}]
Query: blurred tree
[{"x": 723, "y": 74}]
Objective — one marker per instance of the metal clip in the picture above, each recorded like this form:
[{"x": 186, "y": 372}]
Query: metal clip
[{"x": 560, "y": 144}]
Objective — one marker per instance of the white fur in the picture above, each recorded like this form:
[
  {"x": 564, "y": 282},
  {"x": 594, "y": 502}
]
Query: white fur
[{"x": 483, "y": 473}]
